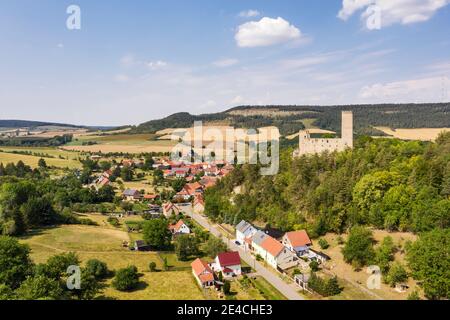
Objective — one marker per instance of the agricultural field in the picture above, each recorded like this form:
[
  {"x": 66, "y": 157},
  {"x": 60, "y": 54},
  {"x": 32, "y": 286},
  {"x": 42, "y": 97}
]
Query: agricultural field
[
  {"x": 59, "y": 158},
  {"x": 421, "y": 134},
  {"x": 126, "y": 143}
]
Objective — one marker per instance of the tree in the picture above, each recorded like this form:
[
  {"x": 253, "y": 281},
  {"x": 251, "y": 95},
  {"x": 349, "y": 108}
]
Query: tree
[
  {"x": 40, "y": 287},
  {"x": 156, "y": 233},
  {"x": 105, "y": 165},
  {"x": 384, "y": 254},
  {"x": 152, "y": 266},
  {"x": 15, "y": 263},
  {"x": 126, "y": 279},
  {"x": 42, "y": 164},
  {"x": 332, "y": 287},
  {"x": 358, "y": 249},
  {"x": 57, "y": 265},
  {"x": 428, "y": 260},
  {"x": 413, "y": 296},
  {"x": 178, "y": 184},
  {"x": 89, "y": 286},
  {"x": 97, "y": 268},
  {"x": 214, "y": 246},
  {"x": 6, "y": 293},
  {"x": 126, "y": 174},
  {"x": 396, "y": 274},
  {"x": 186, "y": 246},
  {"x": 226, "y": 287}
]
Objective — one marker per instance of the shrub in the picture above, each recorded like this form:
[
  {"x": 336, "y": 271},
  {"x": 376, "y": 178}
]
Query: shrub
[
  {"x": 97, "y": 268},
  {"x": 152, "y": 267},
  {"x": 314, "y": 265},
  {"x": 126, "y": 279},
  {"x": 324, "y": 244}
]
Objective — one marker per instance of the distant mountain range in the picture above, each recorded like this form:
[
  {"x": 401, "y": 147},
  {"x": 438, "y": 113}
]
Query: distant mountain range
[
  {"x": 13, "y": 124},
  {"x": 291, "y": 119}
]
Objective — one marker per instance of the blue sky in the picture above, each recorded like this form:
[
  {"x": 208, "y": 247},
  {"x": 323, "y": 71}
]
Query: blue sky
[{"x": 133, "y": 61}]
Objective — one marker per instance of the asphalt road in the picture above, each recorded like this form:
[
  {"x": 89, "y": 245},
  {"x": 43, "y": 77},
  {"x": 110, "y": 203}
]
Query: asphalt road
[{"x": 289, "y": 291}]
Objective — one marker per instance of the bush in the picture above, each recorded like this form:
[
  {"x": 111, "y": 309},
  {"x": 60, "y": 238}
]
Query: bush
[
  {"x": 314, "y": 265},
  {"x": 358, "y": 250},
  {"x": 152, "y": 267},
  {"x": 396, "y": 274},
  {"x": 97, "y": 268},
  {"x": 323, "y": 287},
  {"x": 226, "y": 288},
  {"x": 126, "y": 279},
  {"x": 324, "y": 244},
  {"x": 113, "y": 221}
]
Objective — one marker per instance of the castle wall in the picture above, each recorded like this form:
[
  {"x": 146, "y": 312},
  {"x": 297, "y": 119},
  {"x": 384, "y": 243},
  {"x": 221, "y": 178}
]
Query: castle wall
[{"x": 317, "y": 146}]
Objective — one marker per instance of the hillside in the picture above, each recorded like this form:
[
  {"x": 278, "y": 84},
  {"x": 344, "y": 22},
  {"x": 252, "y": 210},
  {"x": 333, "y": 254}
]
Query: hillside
[{"x": 290, "y": 119}]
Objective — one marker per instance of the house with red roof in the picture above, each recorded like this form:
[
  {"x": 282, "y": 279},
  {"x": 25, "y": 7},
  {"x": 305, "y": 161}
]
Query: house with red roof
[
  {"x": 170, "y": 209},
  {"x": 199, "y": 204},
  {"x": 203, "y": 273},
  {"x": 297, "y": 241},
  {"x": 229, "y": 263},
  {"x": 179, "y": 228},
  {"x": 273, "y": 251}
]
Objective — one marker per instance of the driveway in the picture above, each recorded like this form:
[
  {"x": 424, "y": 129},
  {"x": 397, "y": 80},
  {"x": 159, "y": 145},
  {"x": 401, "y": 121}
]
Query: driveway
[{"x": 289, "y": 291}]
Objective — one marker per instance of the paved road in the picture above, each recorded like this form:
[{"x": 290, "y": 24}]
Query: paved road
[{"x": 289, "y": 291}]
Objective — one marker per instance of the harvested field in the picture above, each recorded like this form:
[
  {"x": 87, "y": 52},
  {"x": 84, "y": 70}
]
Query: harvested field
[{"x": 422, "y": 134}]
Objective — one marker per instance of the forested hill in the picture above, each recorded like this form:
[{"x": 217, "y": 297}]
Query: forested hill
[
  {"x": 31, "y": 124},
  {"x": 289, "y": 118},
  {"x": 385, "y": 183}
]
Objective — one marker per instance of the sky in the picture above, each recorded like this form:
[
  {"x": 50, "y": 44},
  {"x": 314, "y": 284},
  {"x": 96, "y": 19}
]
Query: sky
[{"x": 134, "y": 61}]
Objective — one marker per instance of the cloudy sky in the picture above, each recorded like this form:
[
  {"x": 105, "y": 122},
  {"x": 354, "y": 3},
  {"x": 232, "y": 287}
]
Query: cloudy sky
[{"x": 137, "y": 60}]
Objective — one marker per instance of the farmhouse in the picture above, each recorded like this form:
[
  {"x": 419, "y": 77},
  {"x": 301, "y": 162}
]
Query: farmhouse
[
  {"x": 202, "y": 273},
  {"x": 131, "y": 195},
  {"x": 229, "y": 263},
  {"x": 244, "y": 230},
  {"x": 179, "y": 228},
  {"x": 170, "y": 209},
  {"x": 297, "y": 241}
]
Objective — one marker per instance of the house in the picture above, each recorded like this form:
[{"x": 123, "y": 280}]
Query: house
[
  {"x": 151, "y": 197},
  {"x": 140, "y": 245},
  {"x": 131, "y": 195},
  {"x": 170, "y": 209},
  {"x": 273, "y": 251},
  {"x": 199, "y": 204},
  {"x": 229, "y": 263},
  {"x": 202, "y": 273},
  {"x": 297, "y": 241},
  {"x": 179, "y": 228},
  {"x": 244, "y": 230}
]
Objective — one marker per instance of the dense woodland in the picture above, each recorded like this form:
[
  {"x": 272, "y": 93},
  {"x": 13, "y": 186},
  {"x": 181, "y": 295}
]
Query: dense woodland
[
  {"x": 366, "y": 116},
  {"x": 385, "y": 183}
]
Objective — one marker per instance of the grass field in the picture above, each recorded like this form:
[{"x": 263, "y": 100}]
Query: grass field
[
  {"x": 422, "y": 134},
  {"x": 126, "y": 143},
  {"x": 70, "y": 158},
  {"x": 105, "y": 243},
  {"x": 353, "y": 281}
]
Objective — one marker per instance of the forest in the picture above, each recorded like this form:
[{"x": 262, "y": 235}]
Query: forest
[
  {"x": 431, "y": 115},
  {"x": 385, "y": 183}
]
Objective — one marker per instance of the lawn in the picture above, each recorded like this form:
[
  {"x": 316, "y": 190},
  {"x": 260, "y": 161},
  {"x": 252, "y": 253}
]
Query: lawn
[
  {"x": 268, "y": 291},
  {"x": 175, "y": 285}
]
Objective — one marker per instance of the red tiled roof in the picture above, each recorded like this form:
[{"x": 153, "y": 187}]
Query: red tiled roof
[
  {"x": 202, "y": 270},
  {"x": 177, "y": 226},
  {"x": 298, "y": 238},
  {"x": 229, "y": 259},
  {"x": 272, "y": 246}
]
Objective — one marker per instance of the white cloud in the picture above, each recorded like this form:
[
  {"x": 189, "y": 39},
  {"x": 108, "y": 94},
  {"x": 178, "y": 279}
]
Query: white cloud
[
  {"x": 416, "y": 90},
  {"x": 155, "y": 65},
  {"x": 249, "y": 14},
  {"x": 266, "y": 32},
  {"x": 304, "y": 62},
  {"x": 394, "y": 11},
  {"x": 225, "y": 63}
]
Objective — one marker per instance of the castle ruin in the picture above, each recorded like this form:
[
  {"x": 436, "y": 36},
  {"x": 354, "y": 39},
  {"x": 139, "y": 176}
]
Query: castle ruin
[{"x": 308, "y": 145}]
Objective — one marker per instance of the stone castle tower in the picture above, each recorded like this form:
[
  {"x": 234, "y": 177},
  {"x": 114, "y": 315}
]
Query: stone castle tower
[{"x": 307, "y": 145}]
